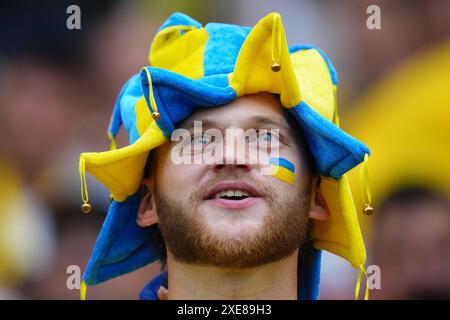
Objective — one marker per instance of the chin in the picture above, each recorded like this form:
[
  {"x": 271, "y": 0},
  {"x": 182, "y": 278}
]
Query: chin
[{"x": 234, "y": 225}]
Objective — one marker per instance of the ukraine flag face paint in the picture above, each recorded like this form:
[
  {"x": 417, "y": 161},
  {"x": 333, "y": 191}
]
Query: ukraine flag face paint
[{"x": 283, "y": 170}]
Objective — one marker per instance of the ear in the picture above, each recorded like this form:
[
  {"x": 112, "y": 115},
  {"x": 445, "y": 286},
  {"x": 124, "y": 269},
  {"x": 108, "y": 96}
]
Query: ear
[
  {"x": 147, "y": 214},
  {"x": 319, "y": 208}
]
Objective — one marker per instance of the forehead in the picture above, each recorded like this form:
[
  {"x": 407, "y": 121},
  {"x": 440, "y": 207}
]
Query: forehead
[{"x": 257, "y": 109}]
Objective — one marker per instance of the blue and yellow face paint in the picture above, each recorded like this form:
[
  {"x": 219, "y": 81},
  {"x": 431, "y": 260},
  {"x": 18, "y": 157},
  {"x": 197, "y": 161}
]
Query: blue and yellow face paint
[{"x": 282, "y": 169}]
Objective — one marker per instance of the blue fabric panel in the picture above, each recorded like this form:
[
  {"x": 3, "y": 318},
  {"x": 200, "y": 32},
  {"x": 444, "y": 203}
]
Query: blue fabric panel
[
  {"x": 335, "y": 152},
  {"x": 177, "y": 19},
  {"x": 122, "y": 245},
  {"x": 222, "y": 47}
]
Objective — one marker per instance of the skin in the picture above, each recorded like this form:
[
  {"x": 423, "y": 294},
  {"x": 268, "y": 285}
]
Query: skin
[{"x": 186, "y": 185}]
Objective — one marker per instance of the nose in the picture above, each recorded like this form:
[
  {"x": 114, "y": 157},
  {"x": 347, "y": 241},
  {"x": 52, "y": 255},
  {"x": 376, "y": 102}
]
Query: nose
[{"x": 235, "y": 151}]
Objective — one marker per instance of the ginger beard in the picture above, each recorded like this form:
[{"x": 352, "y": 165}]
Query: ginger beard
[{"x": 282, "y": 229}]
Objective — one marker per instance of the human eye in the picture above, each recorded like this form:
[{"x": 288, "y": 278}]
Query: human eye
[
  {"x": 201, "y": 139},
  {"x": 267, "y": 136}
]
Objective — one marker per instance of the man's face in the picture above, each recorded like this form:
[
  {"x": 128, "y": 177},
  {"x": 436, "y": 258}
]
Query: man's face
[{"x": 228, "y": 213}]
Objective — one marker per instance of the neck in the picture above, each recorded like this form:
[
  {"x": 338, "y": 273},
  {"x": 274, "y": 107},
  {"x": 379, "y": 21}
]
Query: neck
[{"x": 272, "y": 281}]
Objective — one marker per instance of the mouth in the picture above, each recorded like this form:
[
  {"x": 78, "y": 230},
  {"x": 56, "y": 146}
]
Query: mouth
[{"x": 233, "y": 195}]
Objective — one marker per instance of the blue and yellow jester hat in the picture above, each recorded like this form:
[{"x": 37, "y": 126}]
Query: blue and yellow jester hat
[{"x": 192, "y": 67}]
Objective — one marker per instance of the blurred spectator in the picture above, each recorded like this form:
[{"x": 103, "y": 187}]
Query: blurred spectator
[
  {"x": 58, "y": 87},
  {"x": 404, "y": 120},
  {"x": 412, "y": 245},
  {"x": 46, "y": 90}
]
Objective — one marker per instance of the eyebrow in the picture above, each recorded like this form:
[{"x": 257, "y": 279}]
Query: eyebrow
[
  {"x": 277, "y": 122},
  {"x": 256, "y": 121},
  {"x": 189, "y": 124}
]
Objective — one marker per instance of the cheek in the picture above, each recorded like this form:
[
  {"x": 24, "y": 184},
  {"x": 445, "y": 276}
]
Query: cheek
[
  {"x": 294, "y": 155},
  {"x": 301, "y": 175},
  {"x": 178, "y": 180},
  {"x": 280, "y": 187}
]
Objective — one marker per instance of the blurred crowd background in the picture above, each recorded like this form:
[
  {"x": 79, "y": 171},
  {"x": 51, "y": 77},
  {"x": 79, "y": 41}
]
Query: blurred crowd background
[{"x": 58, "y": 86}]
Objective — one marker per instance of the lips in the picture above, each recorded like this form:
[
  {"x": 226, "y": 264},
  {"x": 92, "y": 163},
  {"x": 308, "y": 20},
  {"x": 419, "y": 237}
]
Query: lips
[
  {"x": 232, "y": 189},
  {"x": 233, "y": 195}
]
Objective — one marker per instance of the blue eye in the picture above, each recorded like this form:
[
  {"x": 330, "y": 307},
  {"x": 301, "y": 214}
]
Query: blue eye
[
  {"x": 265, "y": 137},
  {"x": 201, "y": 139}
]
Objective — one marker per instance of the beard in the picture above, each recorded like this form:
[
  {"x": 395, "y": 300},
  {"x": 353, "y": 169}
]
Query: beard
[{"x": 284, "y": 229}]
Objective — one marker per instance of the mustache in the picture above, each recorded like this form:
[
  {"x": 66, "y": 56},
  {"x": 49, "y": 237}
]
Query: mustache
[{"x": 262, "y": 187}]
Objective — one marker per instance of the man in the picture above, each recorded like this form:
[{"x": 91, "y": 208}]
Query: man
[
  {"x": 235, "y": 246},
  {"x": 242, "y": 224}
]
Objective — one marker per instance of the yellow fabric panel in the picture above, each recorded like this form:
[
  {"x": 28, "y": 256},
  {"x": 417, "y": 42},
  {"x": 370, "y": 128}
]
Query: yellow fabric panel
[
  {"x": 314, "y": 80},
  {"x": 143, "y": 116},
  {"x": 121, "y": 170},
  {"x": 336, "y": 119},
  {"x": 173, "y": 50},
  {"x": 340, "y": 234},
  {"x": 192, "y": 66},
  {"x": 253, "y": 72}
]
